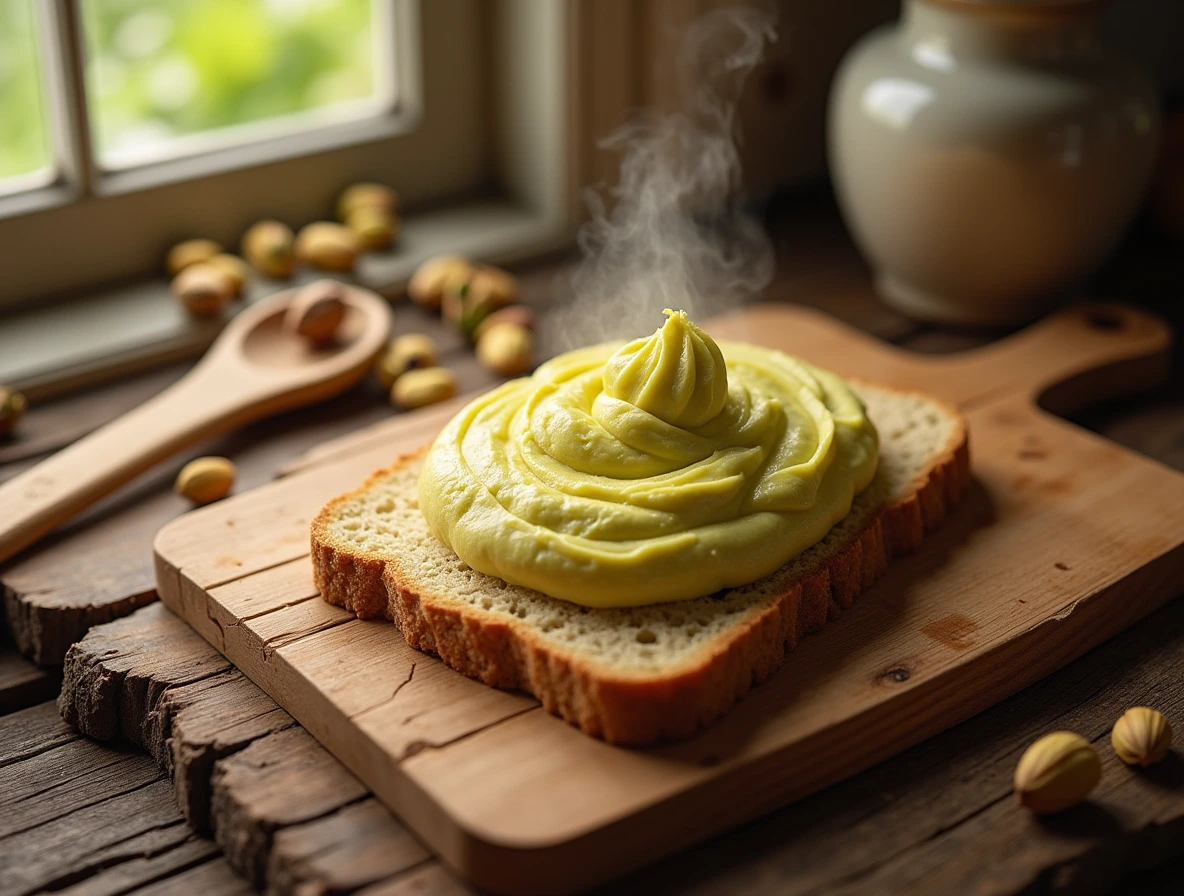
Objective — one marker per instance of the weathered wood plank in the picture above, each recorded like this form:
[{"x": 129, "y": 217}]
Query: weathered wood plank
[
  {"x": 194, "y": 728},
  {"x": 431, "y": 877},
  {"x": 357, "y": 845},
  {"x": 30, "y": 732},
  {"x": 71, "y": 808},
  {"x": 110, "y": 693},
  {"x": 23, "y": 684},
  {"x": 130, "y": 874},
  {"x": 58, "y": 782},
  {"x": 212, "y": 878},
  {"x": 150, "y": 680},
  {"x": 253, "y": 792}
]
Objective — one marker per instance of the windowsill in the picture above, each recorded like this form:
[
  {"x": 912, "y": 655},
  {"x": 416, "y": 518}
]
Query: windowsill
[{"x": 83, "y": 341}]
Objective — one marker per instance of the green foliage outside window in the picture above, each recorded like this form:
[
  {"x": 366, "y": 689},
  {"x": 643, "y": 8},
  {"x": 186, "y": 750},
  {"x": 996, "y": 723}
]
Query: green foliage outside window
[{"x": 163, "y": 68}]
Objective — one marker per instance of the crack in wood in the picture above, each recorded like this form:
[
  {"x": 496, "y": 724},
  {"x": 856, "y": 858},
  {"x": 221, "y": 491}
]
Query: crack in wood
[
  {"x": 278, "y": 607},
  {"x": 391, "y": 699},
  {"x": 282, "y": 640}
]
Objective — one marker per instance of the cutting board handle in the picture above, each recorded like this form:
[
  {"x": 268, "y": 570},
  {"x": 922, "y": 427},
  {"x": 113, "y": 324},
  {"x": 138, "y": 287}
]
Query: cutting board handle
[{"x": 1077, "y": 357}]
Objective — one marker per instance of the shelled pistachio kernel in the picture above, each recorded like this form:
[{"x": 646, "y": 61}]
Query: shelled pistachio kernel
[
  {"x": 328, "y": 246},
  {"x": 269, "y": 246},
  {"x": 234, "y": 268},
  {"x": 12, "y": 408},
  {"x": 203, "y": 289},
  {"x": 1142, "y": 736},
  {"x": 1056, "y": 772},
  {"x": 374, "y": 228},
  {"x": 437, "y": 276},
  {"x": 511, "y": 314},
  {"x": 190, "y": 252},
  {"x": 316, "y": 312},
  {"x": 411, "y": 351},
  {"x": 418, "y": 388},
  {"x": 506, "y": 349},
  {"x": 205, "y": 479},
  {"x": 367, "y": 195}
]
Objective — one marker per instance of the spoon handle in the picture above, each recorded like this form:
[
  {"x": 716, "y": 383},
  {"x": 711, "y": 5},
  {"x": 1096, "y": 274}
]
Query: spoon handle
[{"x": 42, "y": 498}]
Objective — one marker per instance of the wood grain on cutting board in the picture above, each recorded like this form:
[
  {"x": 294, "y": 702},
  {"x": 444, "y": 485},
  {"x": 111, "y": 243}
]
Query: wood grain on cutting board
[{"x": 1065, "y": 539}]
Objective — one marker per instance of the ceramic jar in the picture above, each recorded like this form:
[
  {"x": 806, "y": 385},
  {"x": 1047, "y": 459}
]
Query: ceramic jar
[{"x": 988, "y": 154}]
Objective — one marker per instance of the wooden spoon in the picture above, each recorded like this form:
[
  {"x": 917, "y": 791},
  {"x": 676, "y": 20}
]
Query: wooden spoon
[{"x": 255, "y": 368}]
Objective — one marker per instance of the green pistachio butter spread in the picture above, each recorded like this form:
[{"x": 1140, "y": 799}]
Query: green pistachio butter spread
[{"x": 663, "y": 469}]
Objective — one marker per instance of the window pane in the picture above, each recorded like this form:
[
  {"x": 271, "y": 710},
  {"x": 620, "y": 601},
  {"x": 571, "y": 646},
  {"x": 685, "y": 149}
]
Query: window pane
[
  {"x": 24, "y": 146},
  {"x": 170, "y": 77}
]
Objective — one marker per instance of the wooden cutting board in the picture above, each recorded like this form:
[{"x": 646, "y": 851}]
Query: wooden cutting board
[{"x": 1065, "y": 539}]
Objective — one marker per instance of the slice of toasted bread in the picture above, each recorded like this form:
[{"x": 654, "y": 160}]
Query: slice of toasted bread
[{"x": 636, "y": 675}]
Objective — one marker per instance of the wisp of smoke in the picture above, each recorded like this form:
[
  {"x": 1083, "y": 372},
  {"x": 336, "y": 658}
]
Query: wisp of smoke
[{"x": 675, "y": 237}]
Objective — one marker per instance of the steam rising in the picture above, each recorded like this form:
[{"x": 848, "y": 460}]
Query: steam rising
[{"x": 675, "y": 238}]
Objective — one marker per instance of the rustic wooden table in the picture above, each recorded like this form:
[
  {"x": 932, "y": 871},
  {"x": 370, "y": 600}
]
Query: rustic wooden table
[{"x": 232, "y": 794}]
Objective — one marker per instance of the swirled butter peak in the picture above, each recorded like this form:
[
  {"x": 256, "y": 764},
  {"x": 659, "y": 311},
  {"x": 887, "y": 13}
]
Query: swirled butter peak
[{"x": 663, "y": 469}]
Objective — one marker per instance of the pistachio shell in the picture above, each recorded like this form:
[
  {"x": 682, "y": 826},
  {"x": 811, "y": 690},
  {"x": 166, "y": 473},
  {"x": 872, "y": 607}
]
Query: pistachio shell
[
  {"x": 203, "y": 289},
  {"x": 190, "y": 252},
  {"x": 1142, "y": 736},
  {"x": 505, "y": 349},
  {"x": 437, "y": 276},
  {"x": 328, "y": 246},
  {"x": 512, "y": 314},
  {"x": 374, "y": 227},
  {"x": 367, "y": 195},
  {"x": 491, "y": 288},
  {"x": 233, "y": 267},
  {"x": 316, "y": 312},
  {"x": 206, "y": 479},
  {"x": 411, "y": 351},
  {"x": 1056, "y": 772},
  {"x": 12, "y": 408},
  {"x": 417, "y": 388},
  {"x": 268, "y": 245}
]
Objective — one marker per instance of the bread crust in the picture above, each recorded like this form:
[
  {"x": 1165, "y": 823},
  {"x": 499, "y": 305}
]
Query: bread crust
[{"x": 638, "y": 709}]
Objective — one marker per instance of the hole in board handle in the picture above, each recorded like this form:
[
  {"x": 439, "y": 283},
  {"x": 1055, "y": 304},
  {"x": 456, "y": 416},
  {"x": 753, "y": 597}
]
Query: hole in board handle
[{"x": 1103, "y": 319}]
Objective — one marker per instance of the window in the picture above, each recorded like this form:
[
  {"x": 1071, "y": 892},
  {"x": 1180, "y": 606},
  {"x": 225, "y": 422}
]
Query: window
[
  {"x": 128, "y": 125},
  {"x": 24, "y": 143},
  {"x": 177, "y": 77}
]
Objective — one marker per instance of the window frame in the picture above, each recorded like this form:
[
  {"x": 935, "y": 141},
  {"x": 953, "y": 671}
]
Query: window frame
[
  {"x": 502, "y": 85},
  {"x": 152, "y": 205}
]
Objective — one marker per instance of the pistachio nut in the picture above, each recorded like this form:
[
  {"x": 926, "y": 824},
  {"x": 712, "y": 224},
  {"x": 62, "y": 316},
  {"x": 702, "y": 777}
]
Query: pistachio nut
[
  {"x": 205, "y": 479},
  {"x": 188, "y": 253},
  {"x": 1056, "y": 772},
  {"x": 467, "y": 303},
  {"x": 316, "y": 312},
  {"x": 512, "y": 314},
  {"x": 1142, "y": 736},
  {"x": 374, "y": 227},
  {"x": 328, "y": 246},
  {"x": 506, "y": 349},
  {"x": 491, "y": 288},
  {"x": 417, "y": 388},
  {"x": 203, "y": 289},
  {"x": 411, "y": 351},
  {"x": 268, "y": 246},
  {"x": 12, "y": 408},
  {"x": 367, "y": 195},
  {"x": 234, "y": 268},
  {"x": 437, "y": 276}
]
